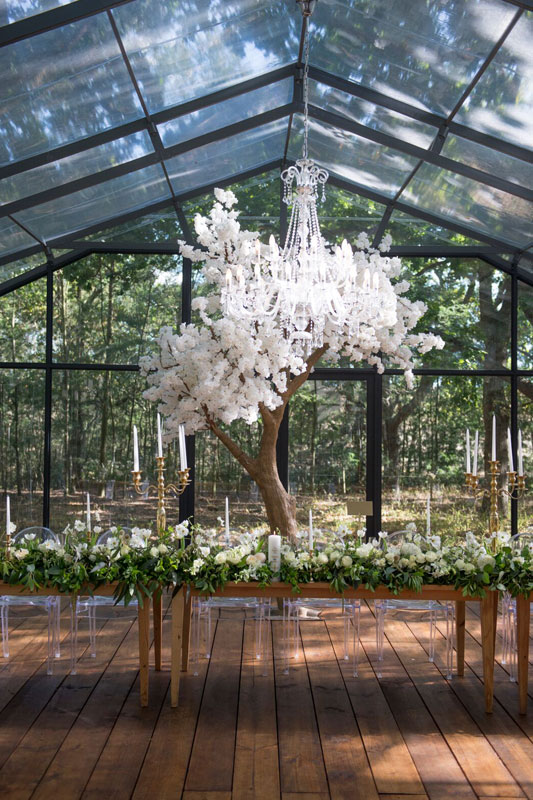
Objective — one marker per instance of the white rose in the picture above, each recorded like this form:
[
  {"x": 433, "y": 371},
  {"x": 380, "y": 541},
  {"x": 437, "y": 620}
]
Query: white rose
[
  {"x": 364, "y": 550},
  {"x": 485, "y": 560},
  {"x": 154, "y": 552},
  {"x": 163, "y": 549},
  {"x": 335, "y": 555},
  {"x": 460, "y": 564},
  {"x": 346, "y": 561},
  {"x": 322, "y": 558},
  {"x": 221, "y": 558}
]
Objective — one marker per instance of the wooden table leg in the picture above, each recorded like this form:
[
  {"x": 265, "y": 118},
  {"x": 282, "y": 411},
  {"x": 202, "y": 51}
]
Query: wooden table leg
[
  {"x": 158, "y": 628},
  {"x": 178, "y": 603},
  {"x": 460, "y": 616},
  {"x": 185, "y": 645},
  {"x": 523, "y": 612},
  {"x": 143, "y": 619},
  {"x": 487, "y": 644}
]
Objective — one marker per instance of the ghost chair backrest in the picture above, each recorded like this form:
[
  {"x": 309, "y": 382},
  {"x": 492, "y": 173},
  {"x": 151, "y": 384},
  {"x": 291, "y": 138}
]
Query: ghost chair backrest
[
  {"x": 114, "y": 533},
  {"x": 36, "y": 532},
  {"x": 519, "y": 540}
]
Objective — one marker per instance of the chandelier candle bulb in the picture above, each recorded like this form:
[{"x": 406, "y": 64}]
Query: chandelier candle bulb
[
  {"x": 510, "y": 450},
  {"x": 476, "y": 448},
  {"x": 159, "y": 438},
  {"x": 468, "y": 451},
  {"x": 274, "y": 554},
  {"x": 135, "y": 450},
  {"x": 494, "y": 437},
  {"x": 375, "y": 281},
  {"x": 228, "y": 278}
]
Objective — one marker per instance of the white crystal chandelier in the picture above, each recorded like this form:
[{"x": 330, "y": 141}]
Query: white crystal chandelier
[{"x": 308, "y": 284}]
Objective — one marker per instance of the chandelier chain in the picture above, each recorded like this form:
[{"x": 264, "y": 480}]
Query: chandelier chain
[{"x": 306, "y": 91}]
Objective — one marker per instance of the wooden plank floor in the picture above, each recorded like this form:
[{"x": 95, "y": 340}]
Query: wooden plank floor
[{"x": 245, "y": 729}]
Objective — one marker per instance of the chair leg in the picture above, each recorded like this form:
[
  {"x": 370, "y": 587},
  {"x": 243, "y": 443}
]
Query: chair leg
[
  {"x": 432, "y": 625},
  {"x": 356, "y": 618},
  {"x": 4, "y": 615},
  {"x": 380, "y": 633},
  {"x": 73, "y": 633},
  {"x": 51, "y": 637},
  {"x": 92, "y": 630},
  {"x": 450, "y": 638},
  {"x": 57, "y": 628},
  {"x": 196, "y": 629}
]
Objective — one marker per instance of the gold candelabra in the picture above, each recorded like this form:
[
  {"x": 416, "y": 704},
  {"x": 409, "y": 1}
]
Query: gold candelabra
[
  {"x": 516, "y": 489},
  {"x": 8, "y": 544},
  {"x": 162, "y": 490}
]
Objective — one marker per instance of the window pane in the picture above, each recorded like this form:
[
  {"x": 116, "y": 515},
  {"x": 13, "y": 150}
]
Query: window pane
[
  {"x": 93, "y": 414},
  {"x": 157, "y": 226},
  {"x": 219, "y": 115},
  {"x": 469, "y": 306},
  {"x": 423, "y": 52},
  {"x": 502, "y": 102},
  {"x": 21, "y": 265},
  {"x": 23, "y": 323},
  {"x": 480, "y": 207},
  {"x": 178, "y": 52},
  {"x": 12, "y": 10},
  {"x": 526, "y": 261},
  {"x": 359, "y": 160},
  {"x": 63, "y": 85},
  {"x": 525, "y": 423},
  {"x": 97, "y": 203},
  {"x": 13, "y": 238},
  {"x": 344, "y": 215},
  {"x": 424, "y": 450},
  {"x": 21, "y": 444},
  {"x": 488, "y": 160},
  {"x": 327, "y": 450},
  {"x": 231, "y": 156},
  {"x": 373, "y": 116},
  {"x": 406, "y": 229},
  {"x": 525, "y": 326},
  {"x": 110, "y": 308},
  {"x": 76, "y": 166}
]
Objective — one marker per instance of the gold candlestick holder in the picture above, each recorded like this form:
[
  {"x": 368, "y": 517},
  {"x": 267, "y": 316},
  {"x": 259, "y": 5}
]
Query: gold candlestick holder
[
  {"x": 515, "y": 490},
  {"x": 162, "y": 491},
  {"x": 8, "y": 545}
]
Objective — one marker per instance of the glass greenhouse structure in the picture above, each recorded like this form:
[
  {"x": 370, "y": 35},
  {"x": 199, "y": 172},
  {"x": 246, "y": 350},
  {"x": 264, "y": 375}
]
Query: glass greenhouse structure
[{"x": 117, "y": 121}]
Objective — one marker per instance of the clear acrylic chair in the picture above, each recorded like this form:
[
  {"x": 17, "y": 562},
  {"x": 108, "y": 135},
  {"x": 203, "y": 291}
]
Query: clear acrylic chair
[
  {"x": 508, "y": 608},
  {"x": 430, "y": 609},
  {"x": 51, "y": 604},
  {"x": 87, "y": 606},
  {"x": 205, "y": 609}
]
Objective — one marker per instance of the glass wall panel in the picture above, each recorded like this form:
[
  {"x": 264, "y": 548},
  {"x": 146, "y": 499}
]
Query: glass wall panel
[
  {"x": 21, "y": 445},
  {"x": 218, "y": 475},
  {"x": 502, "y": 102},
  {"x": 525, "y": 423},
  {"x": 327, "y": 450},
  {"x": 219, "y": 115},
  {"x": 88, "y": 162},
  {"x": 373, "y": 116},
  {"x": 424, "y": 450},
  {"x": 110, "y": 308},
  {"x": 97, "y": 203},
  {"x": 488, "y": 160},
  {"x": 468, "y": 305},
  {"x": 344, "y": 215},
  {"x": 13, "y": 237},
  {"x": 63, "y": 85},
  {"x": 421, "y": 52},
  {"x": 179, "y": 52},
  {"x": 359, "y": 160},
  {"x": 526, "y": 261},
  {"x": 406, "y": 229},
  {"x": 13, "y": 268},
  {"x": 156, "y": 226},
  {"x": 23, "y": 323},
  {"x": 231, "y": 156},
  {"x": 481, "y": 208},
  {"x": 525, "y": 326},
  {"x": 93, "y": 414}
]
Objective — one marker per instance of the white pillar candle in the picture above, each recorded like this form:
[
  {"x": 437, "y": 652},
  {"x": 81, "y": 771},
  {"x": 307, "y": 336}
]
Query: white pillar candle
[
  {"x": 494, "y": 437},
  {"x": 8, "y": 515},
  {"x": 468, "y": 450},
  {"x": 88, "y": 514},
  {"x": 159, "y": 438},
  {"x": 311, "y": 537},
  {"x": 274, "y": 553},
  {"x": 135, "y": 450},
  {"x": 428, "y": 516},
  {"x": 520, "y": 455},
  {"x": 510, "y": 450},
  {"x": 183, "y": 447},
  {"x": 476, "y": 448},
  {"x": 227, "y": 521}
]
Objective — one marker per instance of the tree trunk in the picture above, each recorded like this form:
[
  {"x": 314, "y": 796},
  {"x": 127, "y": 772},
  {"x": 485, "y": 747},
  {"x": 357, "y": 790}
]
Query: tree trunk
[{"x": 280, "y": 505}]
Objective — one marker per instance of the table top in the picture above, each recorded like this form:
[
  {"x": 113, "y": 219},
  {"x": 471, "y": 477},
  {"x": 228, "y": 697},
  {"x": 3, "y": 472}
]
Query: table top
[{"x": 105, "y": 590}]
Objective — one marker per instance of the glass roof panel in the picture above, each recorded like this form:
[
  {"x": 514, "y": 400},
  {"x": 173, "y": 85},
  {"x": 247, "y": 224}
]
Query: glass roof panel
[
  {"x": 13, "y": 238},
  {"x": 76, "y": 166},
  {"x": 348, "y": 156},
  {"x": 13, "y": 10},
  {"x": 62, "y": 85},
  {"x": 526, "y": 261},
  {"x": 156, "y": 226},
  {"x": 221, "y": 114},
  {"x": 179, "y": 52},
  {"x": 489, "y": 160},
  {"x": 502, "y": 102},
  {"x": 227, "y": 157},
  {"x": 366, "y": 113},
  {"x": 20, "y": 266},
  {"x": 424, "y": 52},
  {"x": 467, "y": 202},
  {"x": 406, "y": 229},
  {"x": 96, "y": 203}
]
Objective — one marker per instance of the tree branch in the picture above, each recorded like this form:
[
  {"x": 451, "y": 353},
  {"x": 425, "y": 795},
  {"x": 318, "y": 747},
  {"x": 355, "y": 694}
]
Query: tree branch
[{"x": 243, "y": 458}]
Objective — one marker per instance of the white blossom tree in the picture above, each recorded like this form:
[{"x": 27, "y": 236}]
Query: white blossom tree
[{"x": 227, "y": 367}]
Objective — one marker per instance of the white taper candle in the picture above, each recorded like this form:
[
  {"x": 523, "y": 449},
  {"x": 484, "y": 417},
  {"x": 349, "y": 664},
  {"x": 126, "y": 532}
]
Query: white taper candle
[
  {"x": 510, "y": 450},
  {"x": 428, "y": 516},
  {"x": 476, "y": 448},
  {"x": 494, "y": 437},
  {"x": 520, "y": 455},
  {"x": 88, "y": 513},
  {"x": 274, "y": 554},
  {"x": 227, "y": 521},
  {"x": 183, "y": 447},
  {"x": 311, "y": 535},
  {"x": 8, "y": 515},
  {"x": 159, "y": 437},
  {"x": 468, "y": 450},
  {"x": 135, "y": 449}
]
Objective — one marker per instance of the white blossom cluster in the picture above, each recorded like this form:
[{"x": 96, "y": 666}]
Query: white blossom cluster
[{"x": 224, "y": 368}]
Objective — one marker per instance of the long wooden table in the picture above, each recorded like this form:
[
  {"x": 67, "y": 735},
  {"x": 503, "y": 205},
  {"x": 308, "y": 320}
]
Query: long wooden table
[
  {"x": 181, "y": 619},
  {"x": 143, "y": 619}
]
